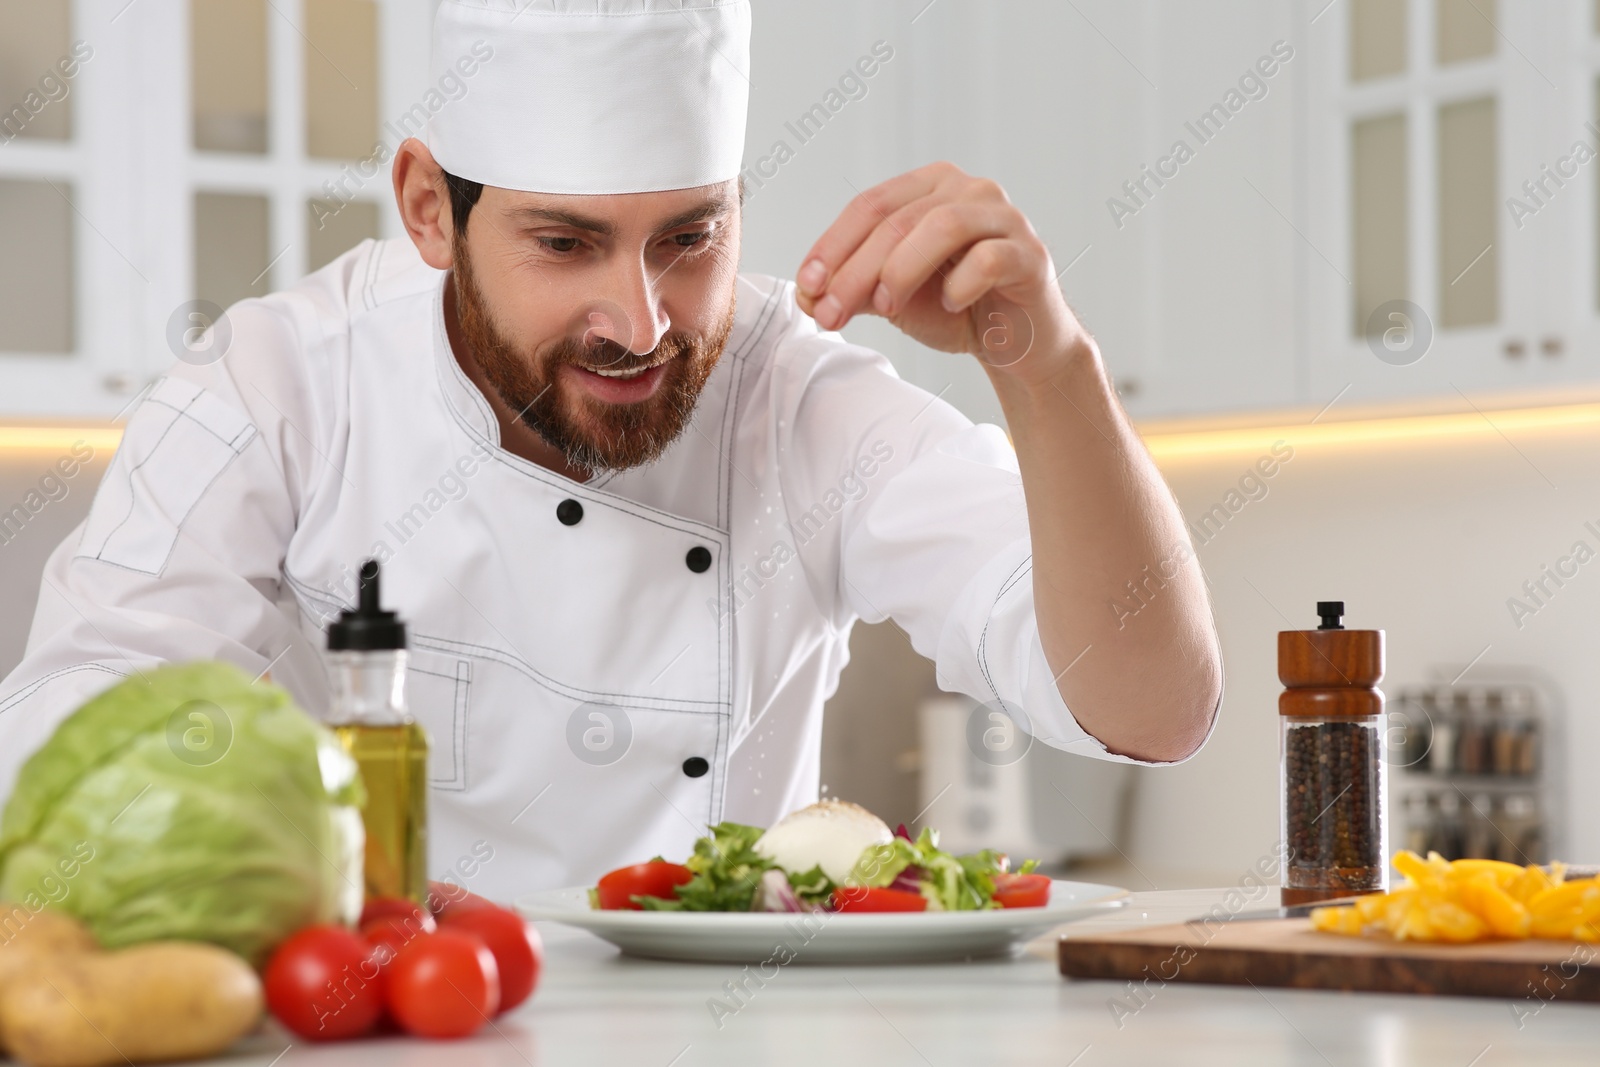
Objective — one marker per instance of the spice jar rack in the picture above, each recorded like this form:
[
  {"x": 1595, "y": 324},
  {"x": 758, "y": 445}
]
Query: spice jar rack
[{"x": 1472, "y": 771}]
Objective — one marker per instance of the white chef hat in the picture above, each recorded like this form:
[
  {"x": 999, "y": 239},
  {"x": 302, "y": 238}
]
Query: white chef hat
[{"x": 592, "y": 96}]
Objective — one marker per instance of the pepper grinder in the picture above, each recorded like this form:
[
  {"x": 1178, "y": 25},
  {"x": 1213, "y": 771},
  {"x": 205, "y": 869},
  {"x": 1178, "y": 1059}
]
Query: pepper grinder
[{"x": 1331, "y": 766}]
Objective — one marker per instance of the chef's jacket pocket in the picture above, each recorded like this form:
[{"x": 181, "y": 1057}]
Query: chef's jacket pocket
[
  {"x": 180, "y": 441},
  {"x": 438, "y": 686}
]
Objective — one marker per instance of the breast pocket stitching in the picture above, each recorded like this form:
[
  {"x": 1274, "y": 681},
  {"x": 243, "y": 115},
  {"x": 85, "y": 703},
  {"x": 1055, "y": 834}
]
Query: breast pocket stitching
[{"x": 433, "y": 690}]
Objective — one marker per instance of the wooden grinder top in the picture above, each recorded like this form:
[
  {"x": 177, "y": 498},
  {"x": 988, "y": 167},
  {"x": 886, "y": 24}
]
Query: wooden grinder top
[{"x": 1330, "y": 671}]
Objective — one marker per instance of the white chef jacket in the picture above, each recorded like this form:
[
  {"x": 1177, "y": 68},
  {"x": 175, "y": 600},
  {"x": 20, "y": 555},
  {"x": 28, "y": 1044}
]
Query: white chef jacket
[{"x": 599, "y": 689}]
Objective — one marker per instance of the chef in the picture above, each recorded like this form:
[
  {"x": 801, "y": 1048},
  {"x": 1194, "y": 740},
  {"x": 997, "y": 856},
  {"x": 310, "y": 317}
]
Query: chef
[{"x": 629, "y": 500}]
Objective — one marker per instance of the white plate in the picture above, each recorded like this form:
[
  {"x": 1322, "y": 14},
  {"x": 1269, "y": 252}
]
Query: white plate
[{"x": 755, "y": 937}]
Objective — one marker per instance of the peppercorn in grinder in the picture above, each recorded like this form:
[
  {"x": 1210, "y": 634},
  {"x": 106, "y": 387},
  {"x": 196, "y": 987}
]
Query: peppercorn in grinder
[{"x": 1331, "y": 765}]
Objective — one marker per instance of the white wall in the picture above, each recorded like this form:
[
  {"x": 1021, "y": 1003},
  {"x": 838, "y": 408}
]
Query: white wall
[
  {"x": 23, "y": 553},
  {"x": 1426, "y": 541}
]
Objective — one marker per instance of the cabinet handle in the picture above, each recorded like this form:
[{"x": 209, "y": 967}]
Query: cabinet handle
[
  {"x": 1551, "y": 347},
  {"x": 1515, "y": 349}
]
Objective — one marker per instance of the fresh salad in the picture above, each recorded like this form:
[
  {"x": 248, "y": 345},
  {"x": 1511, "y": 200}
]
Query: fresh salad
[{"x": 831, "y": 856}]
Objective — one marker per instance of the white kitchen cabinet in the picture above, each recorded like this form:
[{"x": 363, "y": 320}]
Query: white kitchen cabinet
[
  {"x": 1221, "y": 276},
  {"x": 1226, "y": 276},
  {"x": 1191, "y": 285},
  {"x": 1057, "y": 102},
  {"x": 1473, "y": 99},
  {"x": 1230, "y": 279},
  {"x": 195, "y": 141},
  {"x": 70, "y": 281}
]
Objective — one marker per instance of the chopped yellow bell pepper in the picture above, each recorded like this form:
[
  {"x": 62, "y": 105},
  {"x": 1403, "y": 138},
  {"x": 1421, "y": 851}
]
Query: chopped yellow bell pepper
[
  {"x": 1530, "y": 883},
  {"x": 1506, "y": 916},
  {"x": 1564, "y": 897},
  {"x": 1420, "y": 871},
  {"x": 1504, "y": 873},
  {"x": 1471, "y": 900},
  {"x": 1336, "y": 920}
]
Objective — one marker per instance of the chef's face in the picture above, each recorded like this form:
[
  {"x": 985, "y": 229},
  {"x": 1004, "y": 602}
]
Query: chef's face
[{"x": 599, "y": 318}]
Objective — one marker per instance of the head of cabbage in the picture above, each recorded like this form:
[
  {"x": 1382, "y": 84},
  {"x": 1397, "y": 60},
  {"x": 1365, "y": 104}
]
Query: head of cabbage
[{"x": 188, "y": 803}]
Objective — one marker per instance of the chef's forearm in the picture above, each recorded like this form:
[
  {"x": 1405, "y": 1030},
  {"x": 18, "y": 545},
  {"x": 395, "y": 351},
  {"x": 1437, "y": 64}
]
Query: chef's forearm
[{"x": 1113, "y": 569}]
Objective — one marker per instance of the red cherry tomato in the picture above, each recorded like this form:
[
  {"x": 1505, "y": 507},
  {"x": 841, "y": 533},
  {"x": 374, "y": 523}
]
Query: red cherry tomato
[
  {"x": 517, "y": 950},
  {"x": 443, "y": 984},
  {"x": 1022, "y": 890},
  {"x": 398, "y": 908},
  {"x": 322, "y": 984},
  {"x": 656, "y": 879},
  {"x": 442, "y": 896},
  {"x": 865, "y": 898},
  {"x": 388, "y": 936}
]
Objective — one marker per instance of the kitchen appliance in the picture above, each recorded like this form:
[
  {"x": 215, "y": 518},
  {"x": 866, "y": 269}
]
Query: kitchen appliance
[{"x": 1022, "y": 797}]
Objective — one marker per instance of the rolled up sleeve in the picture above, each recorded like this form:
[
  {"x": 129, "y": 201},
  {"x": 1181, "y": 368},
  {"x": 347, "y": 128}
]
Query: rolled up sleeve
[{"x": 937, "y": 538}]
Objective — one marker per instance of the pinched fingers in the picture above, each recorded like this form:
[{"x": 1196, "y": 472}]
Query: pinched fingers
[
  {"x": 851, "y": 285},
  {"x": 863, "y": 214},
  {"x": 965, "y": 248}
]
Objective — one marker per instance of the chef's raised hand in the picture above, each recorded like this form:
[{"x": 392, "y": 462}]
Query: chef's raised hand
[{"x": 947, "y": 258}]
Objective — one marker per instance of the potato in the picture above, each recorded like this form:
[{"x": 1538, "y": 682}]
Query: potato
[
  {"x": 29, "y": 938},
  {"x": 164, "y": 1000}
]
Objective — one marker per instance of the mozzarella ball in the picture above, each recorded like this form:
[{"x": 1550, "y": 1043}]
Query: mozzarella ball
[{"x": 831, "y": 834}]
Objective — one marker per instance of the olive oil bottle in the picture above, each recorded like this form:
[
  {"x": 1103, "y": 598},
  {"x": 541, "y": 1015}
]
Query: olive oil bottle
[{"x": 367, "y": 670}]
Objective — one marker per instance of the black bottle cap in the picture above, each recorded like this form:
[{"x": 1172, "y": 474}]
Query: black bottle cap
[
  {"x": 368, "y": 628},
  {"x": 1330, "y": 610}
]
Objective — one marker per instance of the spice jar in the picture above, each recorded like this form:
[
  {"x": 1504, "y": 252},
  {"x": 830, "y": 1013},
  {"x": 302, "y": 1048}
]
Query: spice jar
[
  {"x": 1331, "y": 765},
  {"x": 1449, "y": 831},
  {"x": 1524, "y": 729},
  {"x": 1476, "y": 754},
  {"x": 1419, "y": 822},
  {"x": 1478, "y": 833},
  {"x": 1442, "y": 718},
  {"x": 1408, "y": 733},
  {"x": 1519, "y": 830}
]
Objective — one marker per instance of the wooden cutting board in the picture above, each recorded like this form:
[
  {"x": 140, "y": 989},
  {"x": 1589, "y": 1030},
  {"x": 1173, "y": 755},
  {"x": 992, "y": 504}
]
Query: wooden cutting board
[{"x": 1288, "y": 953}]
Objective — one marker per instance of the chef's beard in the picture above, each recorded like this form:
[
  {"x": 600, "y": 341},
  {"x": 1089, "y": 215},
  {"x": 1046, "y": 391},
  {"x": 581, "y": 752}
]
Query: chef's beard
[{"x": 592, "y": 435}]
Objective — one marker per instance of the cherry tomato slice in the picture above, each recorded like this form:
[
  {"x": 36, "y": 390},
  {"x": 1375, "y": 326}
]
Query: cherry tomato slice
[
  {"x": 322, "y": 983},
  {"x": 1022, "y": 890},
  {"x": 864, "y": 899},
  {"x": 443, "y": 984},
  {"x": 658, "y": 879},
  {"x": 516, "y": 946}
]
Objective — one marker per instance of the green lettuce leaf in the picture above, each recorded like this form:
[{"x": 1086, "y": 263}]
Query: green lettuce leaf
[
  {"x": 949, "y": 882},
  {"x": 813, "y": 886},
  {"x": 727, "y": 869},
  {"x": 188, "y": 803}
]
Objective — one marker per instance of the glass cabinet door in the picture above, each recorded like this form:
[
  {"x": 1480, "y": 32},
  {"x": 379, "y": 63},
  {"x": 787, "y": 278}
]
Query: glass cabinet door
[
  {"x": 1427, "y": 117},
  {"x": 159, "y": 158},
  {"x": 285, "y": 100},
  {"x": 71, "y": 266}
]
